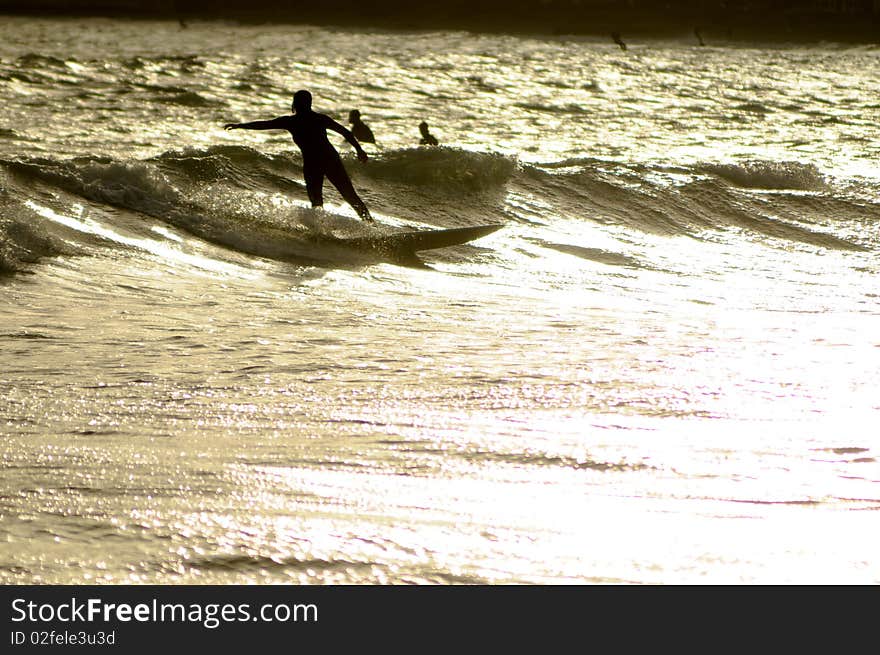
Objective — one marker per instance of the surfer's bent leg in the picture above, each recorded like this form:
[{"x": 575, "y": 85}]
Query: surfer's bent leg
[
  {"x": 314, "y": 176},
  {"x": 337, "y": 175}
]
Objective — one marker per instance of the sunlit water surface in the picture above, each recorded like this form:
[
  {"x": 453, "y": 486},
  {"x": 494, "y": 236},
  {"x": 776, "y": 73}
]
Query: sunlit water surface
[{"x": 663, "y": 369}]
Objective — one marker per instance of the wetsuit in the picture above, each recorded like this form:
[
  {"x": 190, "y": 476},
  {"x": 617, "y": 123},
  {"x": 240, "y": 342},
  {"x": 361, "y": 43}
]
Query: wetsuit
[
  {"x": 320, "y": 158},
  {"x": 362, "y": 132}
]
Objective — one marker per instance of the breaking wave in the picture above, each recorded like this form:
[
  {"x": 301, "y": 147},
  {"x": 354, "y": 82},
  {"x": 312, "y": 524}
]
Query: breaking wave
[{"x": 255, "y": 202}]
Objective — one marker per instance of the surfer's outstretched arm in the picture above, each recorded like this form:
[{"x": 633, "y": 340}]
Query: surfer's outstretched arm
[
  {"x": 274, "y": 124},
  {"x": 345, "y": 132}
]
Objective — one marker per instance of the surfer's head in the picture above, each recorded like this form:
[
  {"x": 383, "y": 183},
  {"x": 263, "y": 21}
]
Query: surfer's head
[
  {"x": 302, "y": 101},
  {"x": 423, "y": 128},
  {"x": 353, "y": 116}
]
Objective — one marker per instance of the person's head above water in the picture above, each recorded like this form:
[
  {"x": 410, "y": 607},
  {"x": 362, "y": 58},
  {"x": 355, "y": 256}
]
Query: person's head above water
[
  {"x": 354, "y": 115},
  {"x": 302, "y": 101}
]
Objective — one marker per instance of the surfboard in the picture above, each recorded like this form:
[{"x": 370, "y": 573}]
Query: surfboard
[{"x": 401, "y": 247}]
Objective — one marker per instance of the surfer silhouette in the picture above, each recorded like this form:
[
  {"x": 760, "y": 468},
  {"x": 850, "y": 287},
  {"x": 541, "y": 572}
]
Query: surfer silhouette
[
  {"x": 615, "y": 36},
  {"x": 361, "y": 130},
  {"x": 320, "y": 159},
  {"x": 428, "y": 139}
]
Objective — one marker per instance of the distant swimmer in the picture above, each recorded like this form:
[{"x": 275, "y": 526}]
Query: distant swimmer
[
  {"x": 175, "y": 5},
  {"x": 428, "y": 139},
  {"x": 320, "y": 158},
  {"x": 361, "y": 130},
  {"x": 616, "y": 37},
  {"x": 699, "y": 36}
]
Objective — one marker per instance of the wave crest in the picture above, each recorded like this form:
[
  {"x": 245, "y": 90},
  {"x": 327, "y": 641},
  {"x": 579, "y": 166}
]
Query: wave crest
[
  {"x": 23, "y": 240},
  {"x": 443, "y": 168},
  {"x": 134, "y": 184},
  {"x": 760, "y": 174}
]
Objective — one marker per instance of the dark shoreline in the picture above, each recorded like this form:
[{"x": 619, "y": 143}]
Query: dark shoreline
[{"x": 688, "y": 20}]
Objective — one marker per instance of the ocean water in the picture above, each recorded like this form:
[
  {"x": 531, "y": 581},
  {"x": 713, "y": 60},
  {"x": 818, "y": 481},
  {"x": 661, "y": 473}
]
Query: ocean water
[{"x": 662, "y": 369}]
